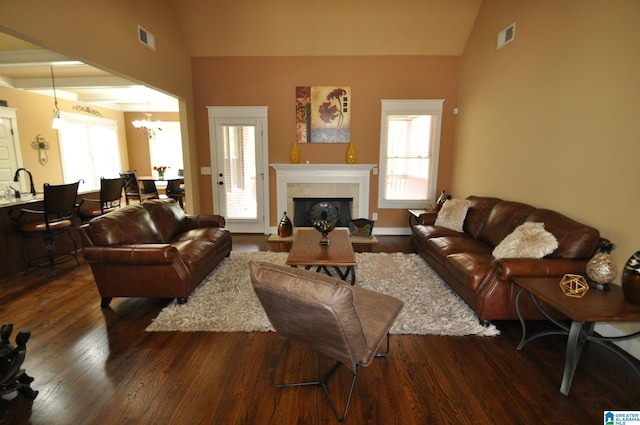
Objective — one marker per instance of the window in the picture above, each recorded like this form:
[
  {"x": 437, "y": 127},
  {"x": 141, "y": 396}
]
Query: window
[
  {"x": 89, "y": 149},
  {"x": 409, "y": 144},
  {"x": 165, "y": 148}
]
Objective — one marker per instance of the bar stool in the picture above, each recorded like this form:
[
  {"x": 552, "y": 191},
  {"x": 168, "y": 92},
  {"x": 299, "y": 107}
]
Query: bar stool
[
  {"x": 110, "y": 198},
  {"x": 56, "y": 219}
]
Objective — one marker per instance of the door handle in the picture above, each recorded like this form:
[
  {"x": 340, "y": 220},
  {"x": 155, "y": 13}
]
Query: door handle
[{"x": 220, "y": 183}]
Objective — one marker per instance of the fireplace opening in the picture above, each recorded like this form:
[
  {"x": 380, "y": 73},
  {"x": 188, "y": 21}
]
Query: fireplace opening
[{"x": 302, "y": 208}]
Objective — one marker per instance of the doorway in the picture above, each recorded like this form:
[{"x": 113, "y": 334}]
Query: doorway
[
  {"x": 239, "y": 161},
  {"x": 10, "y": 157}
]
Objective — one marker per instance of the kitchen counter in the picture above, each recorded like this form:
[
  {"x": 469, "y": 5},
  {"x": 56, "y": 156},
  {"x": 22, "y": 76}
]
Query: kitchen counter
[{"x": 25, "y": 198}]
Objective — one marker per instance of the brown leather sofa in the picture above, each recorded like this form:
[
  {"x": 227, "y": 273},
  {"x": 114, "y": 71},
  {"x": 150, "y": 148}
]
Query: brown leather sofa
[
  {"x": 465, "y": 261},
  {"x": 153, "y": 249}
]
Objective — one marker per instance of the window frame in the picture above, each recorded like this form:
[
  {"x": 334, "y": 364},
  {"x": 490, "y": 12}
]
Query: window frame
[
  {"x": 88, "y": 184},
  {"x": 167, "y": 143},
  {"x": 407, "y": 107}
]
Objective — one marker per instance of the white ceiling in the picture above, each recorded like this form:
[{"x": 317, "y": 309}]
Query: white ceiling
[{"x": 28, "y": 67}]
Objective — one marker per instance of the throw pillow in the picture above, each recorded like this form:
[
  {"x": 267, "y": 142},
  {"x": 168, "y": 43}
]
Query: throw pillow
[
  {"x": 452, "y": 214},
  {"x": 529, "y": 240}
]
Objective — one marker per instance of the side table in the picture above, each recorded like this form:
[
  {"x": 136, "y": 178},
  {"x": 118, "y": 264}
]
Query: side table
[{"x": 594, "y": 306}]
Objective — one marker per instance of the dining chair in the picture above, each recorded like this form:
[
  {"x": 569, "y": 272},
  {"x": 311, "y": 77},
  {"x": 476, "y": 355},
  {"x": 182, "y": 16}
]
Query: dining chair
[
  {"x": 110, "y": 199},
  {"x": 134, "y": 189},
  {"x": 175, "y": 190},
  {"x": 344, "y": 322},
  {"x": 55, "y": 219}
]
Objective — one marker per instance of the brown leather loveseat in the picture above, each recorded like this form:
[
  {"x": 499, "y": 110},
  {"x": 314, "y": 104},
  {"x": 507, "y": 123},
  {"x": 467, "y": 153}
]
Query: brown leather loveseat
[
  {"x": 153, "y": 249},
  {"x": 465, "y": 259}
]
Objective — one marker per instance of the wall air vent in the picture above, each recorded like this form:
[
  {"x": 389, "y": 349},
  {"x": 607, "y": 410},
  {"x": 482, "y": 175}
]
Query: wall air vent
[
  {"x": 146, "y": 38},
  {"x": 506, "y": 35}
]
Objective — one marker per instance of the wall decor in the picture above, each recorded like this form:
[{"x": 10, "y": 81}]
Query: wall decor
[
  {"x": 87, "y": 109},
  {"x": 323, "y": 114},
  {"x": 42, "y": 147}
]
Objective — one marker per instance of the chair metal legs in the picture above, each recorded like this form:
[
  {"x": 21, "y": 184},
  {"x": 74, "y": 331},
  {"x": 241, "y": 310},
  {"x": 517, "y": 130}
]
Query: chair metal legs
[
  {"x": 322, "y": 382},
  {"x": 50, "y": 250}
]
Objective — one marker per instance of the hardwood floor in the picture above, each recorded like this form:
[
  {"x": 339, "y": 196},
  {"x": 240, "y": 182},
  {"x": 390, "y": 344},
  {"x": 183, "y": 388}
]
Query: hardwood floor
[{"x": 99, "y": 366}]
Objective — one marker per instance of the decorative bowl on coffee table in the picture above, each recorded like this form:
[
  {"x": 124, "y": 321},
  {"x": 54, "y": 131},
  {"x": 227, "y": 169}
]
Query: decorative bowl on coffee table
[{"x": 324, "y": 217}]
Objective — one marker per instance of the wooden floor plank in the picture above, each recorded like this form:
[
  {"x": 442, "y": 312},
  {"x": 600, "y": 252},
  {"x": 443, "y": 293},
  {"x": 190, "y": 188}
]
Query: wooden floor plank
[{"x": 95, "y": 366}]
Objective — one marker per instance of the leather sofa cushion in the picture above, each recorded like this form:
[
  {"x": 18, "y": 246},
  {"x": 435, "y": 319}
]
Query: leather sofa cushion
[
  {"x": 503, "y": 219},
  {"x": 426, "y": 232},
  {"x": 440, "y": 248},
  {"x": 479, "y": 209},
  {"x": 168, "y": 216},
  {"x": 469, "y": 269},
  {"x": 131, "y": 225},
  {"x": 195, "y": 252},
  {"x": 575, "y": 240},
  {"x": 209, "y": 234}
]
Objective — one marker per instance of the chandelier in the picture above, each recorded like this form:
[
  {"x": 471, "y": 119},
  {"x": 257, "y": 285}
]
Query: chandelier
[{"x": 150, "y": 127}]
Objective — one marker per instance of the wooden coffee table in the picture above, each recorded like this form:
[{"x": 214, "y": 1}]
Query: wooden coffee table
[
  {"x": 594, "y": 306},
  {"x": 307, "y": 252}
]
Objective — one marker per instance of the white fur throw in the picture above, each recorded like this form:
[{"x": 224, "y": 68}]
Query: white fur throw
[
  {"x": 529, "y": 240},
  {"x": 452, "y": 214}
]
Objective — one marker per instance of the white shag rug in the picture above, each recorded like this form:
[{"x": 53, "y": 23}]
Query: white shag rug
[{"x": 225, "y": 301}]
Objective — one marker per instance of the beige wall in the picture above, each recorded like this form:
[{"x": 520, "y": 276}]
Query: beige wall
[
  {"x": 552, "y": 119},
  {"x": 271, "y": 81},
  {"x": 34, "y": 114}
]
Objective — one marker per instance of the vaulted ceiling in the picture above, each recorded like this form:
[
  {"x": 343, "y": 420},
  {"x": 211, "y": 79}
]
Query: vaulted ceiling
[{"x": 274, "y": 28}]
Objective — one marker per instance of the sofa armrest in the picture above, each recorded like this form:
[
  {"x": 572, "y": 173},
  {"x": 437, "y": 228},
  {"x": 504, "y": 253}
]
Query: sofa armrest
[
  {"x": 531, "y": 267},
  {"x": 428, "y": 218},
  {"x": 197, "y": 221},
  {"x": 142, "y": 254}
]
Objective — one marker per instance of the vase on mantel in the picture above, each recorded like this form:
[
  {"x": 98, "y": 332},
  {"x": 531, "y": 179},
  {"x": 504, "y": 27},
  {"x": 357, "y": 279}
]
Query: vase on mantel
[
  {"x": 294, "y": 153},
  {"x": 351, "y": 153}
]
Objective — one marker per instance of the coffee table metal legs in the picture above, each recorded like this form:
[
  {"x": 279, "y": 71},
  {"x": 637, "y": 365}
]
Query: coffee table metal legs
[
  {"x": 344, "y": 275},
  {"x": 579, "y": 333}
]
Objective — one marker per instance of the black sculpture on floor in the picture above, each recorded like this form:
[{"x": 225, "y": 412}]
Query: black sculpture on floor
[{"x": 12, "y": 378}]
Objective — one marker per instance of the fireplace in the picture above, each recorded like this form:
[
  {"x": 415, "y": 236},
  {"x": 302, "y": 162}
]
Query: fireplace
[
  {"x": 302, "y": 208},
  {"x": 323, "y": 181}
]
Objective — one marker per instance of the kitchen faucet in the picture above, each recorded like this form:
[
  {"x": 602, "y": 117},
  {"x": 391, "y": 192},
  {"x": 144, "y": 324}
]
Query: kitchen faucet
[{"x": 15, "y": 179}]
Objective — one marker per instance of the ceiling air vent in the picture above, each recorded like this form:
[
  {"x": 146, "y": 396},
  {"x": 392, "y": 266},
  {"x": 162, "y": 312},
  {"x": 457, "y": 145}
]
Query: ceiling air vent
[
  {"x": 506, "y": 35},
  {"x": 146, "y": 38}
]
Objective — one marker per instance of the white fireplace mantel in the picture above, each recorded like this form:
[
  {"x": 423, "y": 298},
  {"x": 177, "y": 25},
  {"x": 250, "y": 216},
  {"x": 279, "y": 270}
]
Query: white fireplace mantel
[{"x": 324, "y": 174}]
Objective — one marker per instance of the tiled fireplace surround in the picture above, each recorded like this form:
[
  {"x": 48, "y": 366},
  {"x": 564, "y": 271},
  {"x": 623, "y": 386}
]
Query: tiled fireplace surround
[{"x": 323, "y": 180}]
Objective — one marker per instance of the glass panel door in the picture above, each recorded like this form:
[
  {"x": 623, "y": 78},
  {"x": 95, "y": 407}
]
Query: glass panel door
[{"x": 238, "y": 174}]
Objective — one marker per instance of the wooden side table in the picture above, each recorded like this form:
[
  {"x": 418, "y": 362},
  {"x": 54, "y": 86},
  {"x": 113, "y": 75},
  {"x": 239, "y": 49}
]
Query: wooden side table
[{"x": 594, "y": 306}]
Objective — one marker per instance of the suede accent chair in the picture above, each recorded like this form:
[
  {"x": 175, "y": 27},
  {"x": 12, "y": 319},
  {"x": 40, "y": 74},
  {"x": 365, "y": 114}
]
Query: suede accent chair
[{"x": 344, "y": 322}]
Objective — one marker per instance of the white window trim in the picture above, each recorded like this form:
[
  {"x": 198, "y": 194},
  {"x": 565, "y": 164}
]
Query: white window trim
[
  {"x": 409, "y": 107},
  {"x": 87, "y": 120}
]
